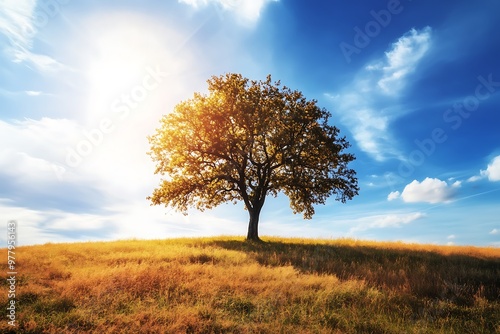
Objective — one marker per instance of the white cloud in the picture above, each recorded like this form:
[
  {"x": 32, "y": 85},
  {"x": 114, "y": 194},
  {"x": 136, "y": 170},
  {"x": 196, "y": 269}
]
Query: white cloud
[
  {"x": 385, "y": 221},
  {"x": 451, "y": 237},
  {"x": 36, "y": 163},
  {"x": 474, "y": 178},
  {"x": 379, "y": 84},
  {"x": 368, "y": 125},
  {"x": 492, "y": 172},
  {"x": 28, "y": 224},
  {"x": 248, "y": 11},
  {"x": 19, "y": 22},
  {"x": 42, "y": 63},
  {"x": 16, "y": 22},
  {"x": 396, "y": 220},
  {"x": 33, "y": 93},
  {"x": 494, "y": 231},
  {"x": 44, "y": 138},
  {"x": 403, "y": 58},
  {"x": 393, "y": 195},
  {"x": 430, "y": 190}
]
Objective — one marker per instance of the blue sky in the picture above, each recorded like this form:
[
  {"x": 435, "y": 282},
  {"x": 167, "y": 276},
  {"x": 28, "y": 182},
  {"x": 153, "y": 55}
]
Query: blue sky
[{"x": 413, "y": 85}]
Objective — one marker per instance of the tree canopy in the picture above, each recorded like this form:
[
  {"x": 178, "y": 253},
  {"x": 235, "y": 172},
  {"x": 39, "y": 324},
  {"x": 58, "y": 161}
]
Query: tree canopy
[{"x": 245, "y": 140}]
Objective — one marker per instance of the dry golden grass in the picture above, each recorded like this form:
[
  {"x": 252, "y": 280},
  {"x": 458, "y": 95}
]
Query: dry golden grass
[{"x": 226, "y": 285}]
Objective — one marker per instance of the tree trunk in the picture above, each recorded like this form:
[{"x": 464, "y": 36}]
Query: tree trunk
[{"x": 253, "y": 226}]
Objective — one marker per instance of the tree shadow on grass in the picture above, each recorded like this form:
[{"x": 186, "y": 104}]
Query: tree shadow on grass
[{"x": 457, "y": 278}]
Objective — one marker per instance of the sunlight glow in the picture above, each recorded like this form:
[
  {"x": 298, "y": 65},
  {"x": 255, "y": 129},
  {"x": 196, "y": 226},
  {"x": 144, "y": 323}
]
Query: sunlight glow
[
  {"x": 125, "y": 47},
  {"x": 121, "y": 57}
]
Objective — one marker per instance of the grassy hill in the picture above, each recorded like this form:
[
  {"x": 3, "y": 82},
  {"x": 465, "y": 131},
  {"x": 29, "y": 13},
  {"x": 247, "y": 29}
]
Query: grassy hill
[{"x": 225, "y": 285}]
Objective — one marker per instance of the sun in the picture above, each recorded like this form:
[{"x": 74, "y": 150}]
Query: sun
[
  {"x": 123, "y": 48},
  {"x": 121, "y": 56}
]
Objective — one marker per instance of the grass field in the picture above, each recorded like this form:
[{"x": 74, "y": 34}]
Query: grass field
[{"x": 226, "y": 285}]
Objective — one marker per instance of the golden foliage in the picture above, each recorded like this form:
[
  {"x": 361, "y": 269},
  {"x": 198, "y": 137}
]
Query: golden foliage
[{"x": 245, "y": 140}]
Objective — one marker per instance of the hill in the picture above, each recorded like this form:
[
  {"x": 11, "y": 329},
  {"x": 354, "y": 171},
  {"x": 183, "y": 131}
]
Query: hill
[{"x": 226, "y": 285}]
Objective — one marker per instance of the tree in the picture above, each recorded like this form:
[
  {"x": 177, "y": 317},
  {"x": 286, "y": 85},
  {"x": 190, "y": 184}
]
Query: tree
[{"x": 245, "y": 140}]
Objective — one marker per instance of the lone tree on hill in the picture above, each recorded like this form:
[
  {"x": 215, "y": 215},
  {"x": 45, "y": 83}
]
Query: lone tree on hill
[{"x": 245, "y": 140}]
